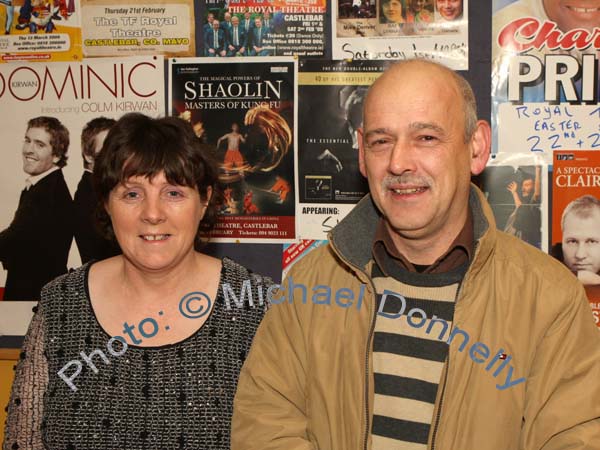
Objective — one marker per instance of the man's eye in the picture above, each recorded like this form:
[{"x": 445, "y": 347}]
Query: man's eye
[
  {"x": 427, "y": 138},
  {"x": 378, "y": 144}
]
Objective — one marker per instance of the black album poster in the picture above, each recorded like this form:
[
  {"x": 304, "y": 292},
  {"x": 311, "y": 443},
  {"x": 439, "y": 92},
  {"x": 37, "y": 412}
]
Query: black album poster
[
  {"x": 330, "y": 112},
  {"x": 244, "y": 111}
]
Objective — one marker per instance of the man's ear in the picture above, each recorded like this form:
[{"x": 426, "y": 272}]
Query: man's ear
[
  {"x": 361, "y": 153},
  {"x": 480, "y": 147}
]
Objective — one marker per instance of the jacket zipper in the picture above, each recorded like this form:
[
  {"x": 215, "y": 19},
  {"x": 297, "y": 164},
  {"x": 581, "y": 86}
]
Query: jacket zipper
[
  {"x": 372, "y": 329},
  {"x": 439, "y": 412}
]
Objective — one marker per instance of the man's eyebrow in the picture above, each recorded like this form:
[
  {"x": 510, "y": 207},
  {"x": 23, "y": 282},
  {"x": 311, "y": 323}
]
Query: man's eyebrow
[
  {"x": 377, "y": 131},
  {"x": 426, "y": 126}
]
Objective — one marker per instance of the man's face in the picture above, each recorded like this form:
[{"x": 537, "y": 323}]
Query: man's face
[
  {"x": 235, "y": 21},
  {"x": 98, "y": 142},
  {"x": 210, "y": 18},
  {"x": 527, "y": 187},
  {"x": 418, "y": 5},
  {"x": 227, "y": 17},
  {"x": 37, "y": 152},
  {"x": 257, "y": 23},
  {"x": 235, "y": 127},
  {"x": 215, "y": 24},
  {"x": 247, "y": 15},
  {"x": 581, "y": 242},
  {"x": 413, "y": 153},
  {"x": 267, "y": 15},
  {"x": 569, "y": 14},
  {"x": 449, "y": 9}
]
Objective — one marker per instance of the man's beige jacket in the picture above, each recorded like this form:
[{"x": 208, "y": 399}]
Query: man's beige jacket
[{"x": 308, "y": 380}]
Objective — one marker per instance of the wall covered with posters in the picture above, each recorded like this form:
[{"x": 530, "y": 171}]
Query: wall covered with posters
[{"x": 276, "y": 88}]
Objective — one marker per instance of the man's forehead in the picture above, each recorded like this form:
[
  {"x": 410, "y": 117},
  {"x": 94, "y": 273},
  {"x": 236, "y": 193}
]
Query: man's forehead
[{"x": 39, "y": 132}]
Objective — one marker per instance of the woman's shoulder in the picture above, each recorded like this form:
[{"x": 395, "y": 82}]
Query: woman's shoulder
[
  {"x": 72, "y": 281},
  {"x": 235, "y": 273}
]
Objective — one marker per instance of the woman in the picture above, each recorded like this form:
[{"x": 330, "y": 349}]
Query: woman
[
  {"x": 418, "y": 12},
  {"x": 142, "y": 350},
  {"x": 392, "y": 12}
]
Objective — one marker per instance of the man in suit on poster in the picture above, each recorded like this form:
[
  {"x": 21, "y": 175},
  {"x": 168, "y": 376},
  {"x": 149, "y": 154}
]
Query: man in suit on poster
[
  {"x": 248, "y": 23},
  {"x": 89, "y": 241},
  {"x": 237, "y": 39},
  {"x": 257, "y": 36},
  {"x": 35, "y": 247},
  {"x": 215, "y": 41}
]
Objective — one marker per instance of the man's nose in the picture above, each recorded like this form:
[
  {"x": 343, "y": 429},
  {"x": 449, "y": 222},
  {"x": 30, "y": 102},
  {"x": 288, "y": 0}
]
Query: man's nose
[
  {"x": 581, "y": 251},
  {"x": 402, "y": 159}
]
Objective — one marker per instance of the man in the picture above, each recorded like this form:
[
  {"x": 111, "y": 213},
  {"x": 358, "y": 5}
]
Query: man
[
  {"x": 89, "y": 241},
  {"x": 580, "y": 225},
  {"x": 35, "y": 247},
  {"x": 449, "y": 10},
  {"x": 226, "y": 25},
  {"x": 233, "y": 156},
  {"x": 237, "y": 39},
  {"x": 215, "y": 41},
  {"x": 256, "y": 39},
  {"x": 357, "y": 375},
  {"x": 526, "y": 219},
  {"x": 248, "y": 22},
  {"x": 208, "y": 26},
  {"x": 267, "y": 21}
]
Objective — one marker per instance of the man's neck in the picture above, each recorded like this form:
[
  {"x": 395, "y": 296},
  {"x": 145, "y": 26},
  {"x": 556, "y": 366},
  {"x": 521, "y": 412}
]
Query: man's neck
[{"x": 425, "y": 251}]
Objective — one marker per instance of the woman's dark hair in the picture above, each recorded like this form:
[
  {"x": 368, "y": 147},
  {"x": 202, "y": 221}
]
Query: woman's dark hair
[{"x": 138, "y": 145}]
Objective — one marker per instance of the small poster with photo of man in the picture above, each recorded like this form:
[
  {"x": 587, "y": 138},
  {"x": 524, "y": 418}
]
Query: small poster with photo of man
[{"x": 576, "y": 218}]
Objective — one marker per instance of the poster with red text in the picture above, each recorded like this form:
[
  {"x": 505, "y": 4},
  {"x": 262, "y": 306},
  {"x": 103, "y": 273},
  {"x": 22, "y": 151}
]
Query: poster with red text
[
  {"x": 576, "y": 218},
  {"x": 544, "y": 76},
  {"x": 257, "y": 28},
  {"x": 44, "y": 177},
  {"x": 246, "y": 112}
]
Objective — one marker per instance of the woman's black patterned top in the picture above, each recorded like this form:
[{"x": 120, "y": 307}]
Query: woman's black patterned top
[{"x": 177, "y": 396}]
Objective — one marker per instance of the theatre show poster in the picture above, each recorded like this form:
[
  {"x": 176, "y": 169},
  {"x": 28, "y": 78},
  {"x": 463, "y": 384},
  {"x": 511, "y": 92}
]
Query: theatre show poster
[
  {"x": 330, "y": 112},
  {"x": 40, "y": 30},
  {"x": 47, "y": 228},
  {"x": 516, "y": 187},
  {"x": 136, "y": 27},
  {"x": 544, "y": 76},
  {"x": 401, "y": 29},
  {"x": 292, "y": 253},
  {"x": 576, "y": 218},
  {"x": 261, "y": 28},
  {"x": 245, "y": 114}
]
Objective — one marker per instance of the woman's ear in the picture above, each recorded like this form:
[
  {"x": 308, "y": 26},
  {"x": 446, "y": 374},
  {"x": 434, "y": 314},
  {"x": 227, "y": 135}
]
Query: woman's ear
[{"x": 208, "y": 194}]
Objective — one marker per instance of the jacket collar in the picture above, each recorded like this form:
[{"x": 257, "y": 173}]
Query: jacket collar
[{"x": 353, "y": 237}]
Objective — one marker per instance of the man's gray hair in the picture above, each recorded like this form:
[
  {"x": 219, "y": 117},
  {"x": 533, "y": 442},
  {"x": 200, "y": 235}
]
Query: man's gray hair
[{"x": 582, "y": 207}]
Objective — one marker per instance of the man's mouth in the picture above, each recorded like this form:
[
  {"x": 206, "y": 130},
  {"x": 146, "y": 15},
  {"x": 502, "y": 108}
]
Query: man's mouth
[
  {"x": 408, "y": 191},
  {"x": 155, "y": 237},
  {"x": 583, "y": 10}
]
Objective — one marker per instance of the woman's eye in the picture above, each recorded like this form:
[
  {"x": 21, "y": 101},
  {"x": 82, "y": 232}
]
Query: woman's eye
[
  {"x": 131, "y": 194},
  {"x": 174, "y": 194}
]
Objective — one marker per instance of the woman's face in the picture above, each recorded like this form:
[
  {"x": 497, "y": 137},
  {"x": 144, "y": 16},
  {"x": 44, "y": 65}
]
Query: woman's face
[
  {"x": 449, "y": 9},
  {"x": 155, "y": 222},
  {"x": 392, "y": 10}
]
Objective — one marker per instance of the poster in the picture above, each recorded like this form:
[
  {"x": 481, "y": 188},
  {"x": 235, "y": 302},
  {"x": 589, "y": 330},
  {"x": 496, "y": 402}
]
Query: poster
[
  {"x": 257, "y": 28},
  {"x": 544, "y": 76},
  {"x": 402, "y": 29},
  {"x": 292, "y": 253},
  {"x": 58, "y": 100},
  {"x": 40, "y": 30},
  {"x": 576, "y": 218},
  {"x": 245, "y": 111},
  {"x": 330, "y": 111},
  {"x": 135, "y": 27},
  {"x": 516, "y": 187}
]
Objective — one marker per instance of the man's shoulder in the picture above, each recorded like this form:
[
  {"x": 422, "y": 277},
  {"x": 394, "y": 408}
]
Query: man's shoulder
[
  {"x": 320, "y": 262},
  {"x": 519, "y": 260}
]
